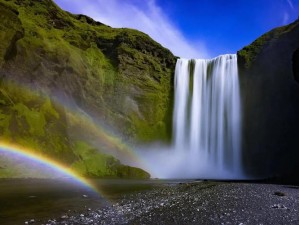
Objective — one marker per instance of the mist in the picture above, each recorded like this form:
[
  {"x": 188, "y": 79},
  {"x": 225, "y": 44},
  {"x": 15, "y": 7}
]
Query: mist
[{"x": 164, "y": 162}]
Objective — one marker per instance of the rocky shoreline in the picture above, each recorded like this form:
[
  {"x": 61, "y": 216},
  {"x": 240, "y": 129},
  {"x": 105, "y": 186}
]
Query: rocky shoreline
[{"x": 197, "y": 203}]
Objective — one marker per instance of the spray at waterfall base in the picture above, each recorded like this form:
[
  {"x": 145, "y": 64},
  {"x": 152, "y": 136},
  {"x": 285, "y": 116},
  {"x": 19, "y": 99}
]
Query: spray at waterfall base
[{"x": 206, "y": 123}]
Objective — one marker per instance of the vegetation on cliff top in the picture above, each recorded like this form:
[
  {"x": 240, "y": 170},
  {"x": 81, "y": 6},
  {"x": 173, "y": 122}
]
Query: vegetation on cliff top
[{"x": 248, "y": 54}]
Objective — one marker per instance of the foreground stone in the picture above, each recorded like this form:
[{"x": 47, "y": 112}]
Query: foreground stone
[{"x": 198, "y": 203}]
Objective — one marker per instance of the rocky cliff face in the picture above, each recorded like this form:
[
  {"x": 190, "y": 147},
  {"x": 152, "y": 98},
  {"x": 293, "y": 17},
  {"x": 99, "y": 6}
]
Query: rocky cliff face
[
  {"x": 270, "y": 95},
  {"x": 124, "y": 79},
  {"x": 120, "y": 76}
]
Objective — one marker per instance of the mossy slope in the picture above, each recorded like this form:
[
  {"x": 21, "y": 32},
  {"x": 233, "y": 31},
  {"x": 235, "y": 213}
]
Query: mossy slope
[
  {"x": 120, "y": 76},
  {"x": 34, "y": 121}
]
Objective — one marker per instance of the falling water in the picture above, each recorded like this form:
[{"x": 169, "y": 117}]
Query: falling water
[{"x": 206, "y": 123}]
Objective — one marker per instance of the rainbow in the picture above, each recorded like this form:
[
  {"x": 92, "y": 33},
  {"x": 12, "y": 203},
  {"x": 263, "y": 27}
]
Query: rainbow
[
  {"x": 31, "y": 155},
  {"x": 111, "y": 141},
  {"x": 78, "y": 117},
  {"x": 88, "y": 123}
]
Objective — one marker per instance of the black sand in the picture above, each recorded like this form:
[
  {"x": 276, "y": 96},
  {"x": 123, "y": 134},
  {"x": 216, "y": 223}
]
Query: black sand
[{"x": 197, "y": 203}]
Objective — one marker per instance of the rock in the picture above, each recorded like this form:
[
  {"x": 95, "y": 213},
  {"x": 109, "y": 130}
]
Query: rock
[
  {"x": 278, "y": 206},
  {"x": 121, "y": 76},
  {"x": 278, "y": 193},
  {"x": 270, "y": 96}
]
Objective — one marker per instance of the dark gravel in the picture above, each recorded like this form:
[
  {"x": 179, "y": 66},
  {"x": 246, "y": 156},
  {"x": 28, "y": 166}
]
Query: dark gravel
[{"x": 198, "y": 203}]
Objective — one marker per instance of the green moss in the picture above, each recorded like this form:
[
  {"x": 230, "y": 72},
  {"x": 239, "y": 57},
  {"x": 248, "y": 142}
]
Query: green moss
[
  {"x": 31, "y": 120},
  {"x": 4, "y": 124},
  {"x": 248, "y": 54},
  {"x": 48, "y": 109},
  {"x": 98, "y": 64},
  {"x": 92, "y": 163},
  {"x": 99, "y": 68},
  {"x": 34, "y": 119}
]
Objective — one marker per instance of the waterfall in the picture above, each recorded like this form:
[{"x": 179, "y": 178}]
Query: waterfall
[{"x": 207, "y": 114}]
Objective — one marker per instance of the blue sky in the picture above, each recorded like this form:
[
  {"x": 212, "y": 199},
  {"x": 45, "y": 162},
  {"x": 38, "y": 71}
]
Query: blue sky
[{"x": 197, "y": 29}]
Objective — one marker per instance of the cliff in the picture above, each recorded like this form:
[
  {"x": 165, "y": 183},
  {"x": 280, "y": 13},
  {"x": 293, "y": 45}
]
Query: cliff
[
  {"x": 270, "y": 95},
  {"x": 55, "y": 66},
  {"x": 120, "y": 75},
  {"x": 51, "y": 60}
]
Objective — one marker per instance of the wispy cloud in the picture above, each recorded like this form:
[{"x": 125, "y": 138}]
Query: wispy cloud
[
  {"x": 289, "y": 11},
  {"x": 291, "y": 4},
  {"x": 146, "y": 16},
  {"x": 285, "y": 19}
]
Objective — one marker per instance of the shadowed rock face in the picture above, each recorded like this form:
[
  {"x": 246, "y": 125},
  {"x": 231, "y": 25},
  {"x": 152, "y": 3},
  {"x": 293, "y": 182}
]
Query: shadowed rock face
[
  {"x": 270, "y": 96},
  {"x": 296, "y": 65}
]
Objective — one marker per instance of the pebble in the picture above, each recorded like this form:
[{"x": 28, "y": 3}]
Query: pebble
[
  {"x": 278, "y": 193},
  {"x": 278, "y": 206},
  {"x": 201, "y": 203}
]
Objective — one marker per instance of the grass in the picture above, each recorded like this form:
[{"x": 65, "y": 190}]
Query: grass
[
  {"x": 249, "y": 53},
  {"x": 51, "y": 51}
]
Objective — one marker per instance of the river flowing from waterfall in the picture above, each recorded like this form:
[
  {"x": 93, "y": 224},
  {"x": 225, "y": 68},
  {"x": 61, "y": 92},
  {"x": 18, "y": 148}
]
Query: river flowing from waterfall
[{"x": 206, "y": 121}]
